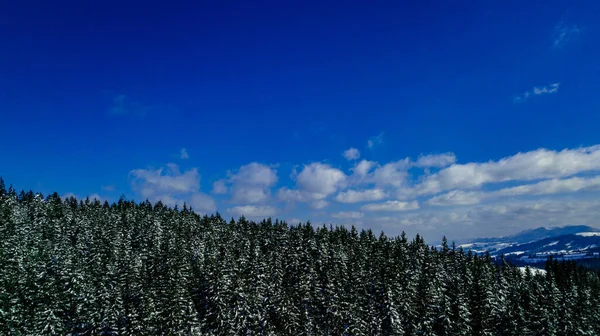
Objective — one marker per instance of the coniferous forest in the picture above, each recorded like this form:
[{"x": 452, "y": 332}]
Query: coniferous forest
[{"x": 71, "y": 267}]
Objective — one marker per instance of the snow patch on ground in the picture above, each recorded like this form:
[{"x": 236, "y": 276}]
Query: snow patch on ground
[
  {"x": 588, "y": 234},
  {"x": 514, "y": 253},
  {"x": 551, "y": 244}
]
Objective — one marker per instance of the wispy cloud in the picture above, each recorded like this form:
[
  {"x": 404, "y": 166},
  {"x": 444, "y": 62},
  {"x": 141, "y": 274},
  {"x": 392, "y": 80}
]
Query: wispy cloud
[
  {"x": 108, "y": 188},
  {"x": 356, "y": 196},
  {"x": 563, "y": 33},
  {"x": 348, "y": 214},
  {"x": 546, "y": 187},
  {"x": 183, "y": 154},
  {"x": 122, "y": 105},
  {"x": 391, "y": 206},
  {"x": 253, "y": 211},
  {"x": 219, "y": 187},
  {"x": 375, "y": 141},
  {"x": 172, "y": 187},
  {"x": 538, "y": 91},
  {"x": 91, "y": 197}
]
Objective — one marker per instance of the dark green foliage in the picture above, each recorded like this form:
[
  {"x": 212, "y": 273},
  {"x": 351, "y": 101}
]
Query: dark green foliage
[{"x": 86, "y": 268}]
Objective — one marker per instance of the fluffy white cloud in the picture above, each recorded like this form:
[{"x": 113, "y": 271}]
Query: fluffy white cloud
[
  {"x": 348, "y": 214},
  {"x": 255, "y": 174},
  {"x": 253, "y": 210},
  {"x": 534, "y": 165},
  {"x": 183, "y": 154},
  {"x": 391, "y": 206},
  {"x": 320, "y": 179},
  {"x": 436, "y": 160},
  {"x": 249, "y": 194},
  {"x": 251, "y": 183},
  {"x": 356, "y": 196},
  {"x": 219, "y": 187},
  {"x": 390, "y": 174},
  {"x": 166, "y": 180},
  {"x": 351, "y": 154},
  {"x": 362, "y": 168}
]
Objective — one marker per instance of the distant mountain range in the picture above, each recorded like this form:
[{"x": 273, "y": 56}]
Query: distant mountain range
[{"x": 536, "y": 245}]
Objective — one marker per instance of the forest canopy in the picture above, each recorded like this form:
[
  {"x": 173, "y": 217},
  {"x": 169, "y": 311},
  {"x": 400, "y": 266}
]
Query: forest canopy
[{"x": 83, "y": 267}]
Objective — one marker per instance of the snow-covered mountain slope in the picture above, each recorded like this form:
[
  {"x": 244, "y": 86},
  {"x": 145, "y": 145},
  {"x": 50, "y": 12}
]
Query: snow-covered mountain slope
[
  {"x": 497, "y": 244},
  {"x": 555, "y": 245},
  {"x": 535, "y": 246}
]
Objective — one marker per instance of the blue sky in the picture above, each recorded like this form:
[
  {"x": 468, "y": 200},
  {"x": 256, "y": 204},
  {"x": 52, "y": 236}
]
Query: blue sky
[{"x": 249, "y": 107}]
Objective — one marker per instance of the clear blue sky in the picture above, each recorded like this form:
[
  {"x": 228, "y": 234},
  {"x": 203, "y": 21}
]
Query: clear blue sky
[{"x": 101, "y": 98}]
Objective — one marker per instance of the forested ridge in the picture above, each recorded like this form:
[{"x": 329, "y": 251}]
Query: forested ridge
[{"x": 91, "y": 268}]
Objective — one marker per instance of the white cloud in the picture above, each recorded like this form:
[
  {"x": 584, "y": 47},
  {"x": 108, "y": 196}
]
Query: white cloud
[
  {"x": 351, "y": 154},
  {"x": 183, "y": 154},
  {"x": 392, "y": 174},
  {"x": 391, "y": 206},
  {"x": 493, "y": 220},
  {"x": 362, "y": 168},
  {"x": 457, "y": 197},
  {"x": 548, "y": 89},
  {"x": 253, "y": 210},
  {"x": 538, "y": 90},
  {"x": 554, "y": 186},
  {"x": 249, "y": 194},
  {"x": 252, "y": 183},
  {"x": 534, "y": 165},
  {"x": 318, "y": 204},
  {"x": 356, "y": 196},
  {"x": 546, "y": 187},
  {"x": 167, "y": 180},
  {"x": 348, "y": 214},
  {"x": 172, "y": 187},
  {"x": 436, "y": 160},
  {"x": 202, "y": 203},
  {"x": 375, "y": 141},
  {"x": 320, "y": 180},
  {"x": 286, "y": 194},
  {"x": 255, "y": 174},
  {"x": 563, "y": 33},
  {"x": 219, "y": 187}
]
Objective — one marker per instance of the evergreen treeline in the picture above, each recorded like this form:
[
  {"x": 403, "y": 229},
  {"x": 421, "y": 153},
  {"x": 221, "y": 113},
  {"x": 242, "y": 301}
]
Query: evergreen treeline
[{"x": 87, "y": 268}]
